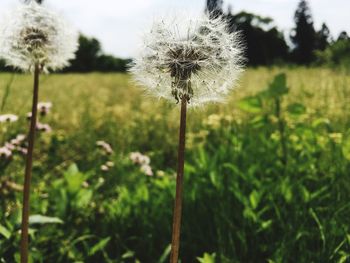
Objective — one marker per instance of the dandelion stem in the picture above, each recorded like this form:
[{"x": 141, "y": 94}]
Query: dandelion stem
[
  {"x": 175, "y": 244},
  {"x": 28, "y": 170}
]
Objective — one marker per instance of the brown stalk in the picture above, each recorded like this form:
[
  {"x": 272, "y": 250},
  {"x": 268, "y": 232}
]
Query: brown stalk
[
  {"x": 175, "y": 244},
  {"x": 28, "y": 170}
]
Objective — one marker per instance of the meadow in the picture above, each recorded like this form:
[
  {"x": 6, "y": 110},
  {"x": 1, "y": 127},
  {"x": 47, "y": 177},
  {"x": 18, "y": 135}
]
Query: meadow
[{"x": 266, "y": 174}]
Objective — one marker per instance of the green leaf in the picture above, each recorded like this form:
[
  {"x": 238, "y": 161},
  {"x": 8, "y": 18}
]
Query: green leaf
[
  {"x": 346, "y": 146},
  {"x": 165, "y": 254},
  {"x": 250, "y": 104},
  {"x": 254, "y": 199},
  {"x": 278, "y": 87},
  {"x": 207, "y": 258},
  {"x": 40, "y": 219},
  {"x": 286, "y": 190},
  {"x": 84, "y": 197},
  {"x": 321, "y": 122},
  {"x": 266, "y": 224},
  {"x": 296, "y": 109},
  {"x": 99, "y": 246},
  {"x": 128, "y": 254},
  {"x": 74, "y": 178},
  {"x": 5, "y": 232}
]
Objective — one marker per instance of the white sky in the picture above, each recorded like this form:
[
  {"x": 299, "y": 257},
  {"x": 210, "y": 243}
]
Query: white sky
[{"x": 118, "y": 24}]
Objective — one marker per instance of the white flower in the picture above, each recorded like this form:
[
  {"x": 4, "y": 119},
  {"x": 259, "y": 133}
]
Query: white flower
[
  {"x": 44, "y": 107},
  {"x": 8, "y": 118},
  {"x": 104, "y": 168},
  {"x": 106, "y": 147},
  {"x": 139, "y": 158},
  {"x": 5, "y": 152},
  {"x": 147, "y": 170},
  {"x": 196, "y": 59},
  {"x": 18, "y": 141},
  {"x": 43, "y": 127},
  {"x": 32, "y": 35}
]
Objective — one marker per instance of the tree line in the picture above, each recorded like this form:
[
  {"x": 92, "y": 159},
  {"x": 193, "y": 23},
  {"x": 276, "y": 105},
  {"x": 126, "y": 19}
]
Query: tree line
[
  {"x": 89, "y": 57},
  {"x": 266, "y": 44}
]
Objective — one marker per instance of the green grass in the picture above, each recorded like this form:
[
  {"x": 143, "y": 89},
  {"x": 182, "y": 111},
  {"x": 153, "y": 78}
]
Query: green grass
[{"x": 261, "y": 184}]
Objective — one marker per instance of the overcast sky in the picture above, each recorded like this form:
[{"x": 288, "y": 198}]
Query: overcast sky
[{"x": 118, "y": 24}]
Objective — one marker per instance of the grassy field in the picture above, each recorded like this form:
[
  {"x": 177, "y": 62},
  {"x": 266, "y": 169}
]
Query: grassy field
[{"x": 266, "y": 176}]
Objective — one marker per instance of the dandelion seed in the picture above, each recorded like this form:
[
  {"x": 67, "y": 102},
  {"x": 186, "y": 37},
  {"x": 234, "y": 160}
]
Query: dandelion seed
[
  {"x": 8, "y": 118},
  {"x": 198, "y": 59},
  {"x": 32, "y": 35}
]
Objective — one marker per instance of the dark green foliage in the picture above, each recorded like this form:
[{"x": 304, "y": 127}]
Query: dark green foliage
[
  {"x": 90, "y": 57},
  {"x": 87, "y": 55},
  {"x": 337, "y": 54},
  {"x": 343, "y": 36},
  {"x": 323, "y": 38},
  {"x": 265, "y": 45}
]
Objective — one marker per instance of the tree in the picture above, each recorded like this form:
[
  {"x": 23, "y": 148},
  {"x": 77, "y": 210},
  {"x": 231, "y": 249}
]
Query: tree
[
  {"x": 38, "y": 1},
  {"x": 87, "y": 55},
  {"x": 90, "y": 57},
  {"x": 214, "y": 8},
  {"x": 303, "y": 35},
  {"x": 265, "y": 43},
  {"x": 343, "y": 36},
  {"x": 323, "y": 38}
]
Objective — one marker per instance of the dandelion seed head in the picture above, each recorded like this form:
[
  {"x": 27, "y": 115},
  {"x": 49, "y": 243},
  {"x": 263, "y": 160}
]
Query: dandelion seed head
[
  {"x": 196, "y": 59},
  {"x": 32, "y": 35}
]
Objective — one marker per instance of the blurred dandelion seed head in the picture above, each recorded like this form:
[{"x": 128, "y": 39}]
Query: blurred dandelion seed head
[
  {"x": 32, "y": 35},
  {"x": 196, "y": 59}
]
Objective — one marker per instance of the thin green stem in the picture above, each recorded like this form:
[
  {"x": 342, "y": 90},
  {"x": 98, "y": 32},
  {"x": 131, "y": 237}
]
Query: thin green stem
[
  {"x": 282, "y": 131},
  {"x": 175, "y": 244},
  {"x": 28, "y": 170}
]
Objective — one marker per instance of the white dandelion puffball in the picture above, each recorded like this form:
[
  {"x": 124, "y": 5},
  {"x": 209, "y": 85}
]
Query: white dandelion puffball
[
  {"x": 193, "y": 58},
  {"x": 33, "y": 35}
]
